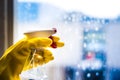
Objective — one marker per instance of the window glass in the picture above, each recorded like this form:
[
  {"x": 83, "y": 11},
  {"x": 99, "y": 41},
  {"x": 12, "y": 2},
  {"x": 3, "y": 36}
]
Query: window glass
[{"x": 91, "y": 48}]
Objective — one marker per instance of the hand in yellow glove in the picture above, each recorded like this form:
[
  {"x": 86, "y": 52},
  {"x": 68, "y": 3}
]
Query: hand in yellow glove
[{"x": 17, "y": 57}]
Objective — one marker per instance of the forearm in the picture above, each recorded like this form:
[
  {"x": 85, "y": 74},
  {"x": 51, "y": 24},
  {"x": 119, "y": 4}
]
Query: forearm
[
  {"x": 12, "y": 62},
  {"x": 13, "y": 67},
  {"x": 6, "y": 71}
]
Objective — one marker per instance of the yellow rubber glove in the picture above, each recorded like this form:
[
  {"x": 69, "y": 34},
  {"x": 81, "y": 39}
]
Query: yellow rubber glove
[{"x": 17, "y": 57}]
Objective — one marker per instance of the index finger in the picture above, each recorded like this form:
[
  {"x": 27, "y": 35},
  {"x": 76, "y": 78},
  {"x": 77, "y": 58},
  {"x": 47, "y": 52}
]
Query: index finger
[{"x": 40, "y": 42}]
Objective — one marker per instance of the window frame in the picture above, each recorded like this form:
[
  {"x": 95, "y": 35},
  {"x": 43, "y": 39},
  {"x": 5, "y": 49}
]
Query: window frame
[{"x": 6, "y": 24}]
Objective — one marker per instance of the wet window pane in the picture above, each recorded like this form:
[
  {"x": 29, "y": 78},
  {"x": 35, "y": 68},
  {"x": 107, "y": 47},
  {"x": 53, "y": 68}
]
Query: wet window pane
[{"x": 92, "y": 47}]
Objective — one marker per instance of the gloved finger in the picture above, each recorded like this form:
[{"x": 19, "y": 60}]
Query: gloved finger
[
  {"x": 47, "y": 56},
  {"x": 56, "y": 43},
  {"x": 46, "y": 60},
  {"x": 54, "y": 38},
  {"x": 47, "y": 53},
  {"x": 59, "y": 44},
  {"x": 43, "y": 56},
  {"x": 40, "y": 42},
  {"x": 38, "y": 59},
  {"x": 43, "y": 52},
  {"x": 41, "y": 61}
]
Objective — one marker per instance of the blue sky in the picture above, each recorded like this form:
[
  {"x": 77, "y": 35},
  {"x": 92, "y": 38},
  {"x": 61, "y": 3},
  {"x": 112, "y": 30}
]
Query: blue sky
[{"x": 27, "y": 11}]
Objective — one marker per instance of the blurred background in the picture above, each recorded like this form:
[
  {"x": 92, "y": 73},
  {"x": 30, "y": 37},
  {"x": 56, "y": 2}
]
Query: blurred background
[{"x": 89, "y": 29}]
